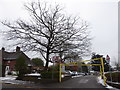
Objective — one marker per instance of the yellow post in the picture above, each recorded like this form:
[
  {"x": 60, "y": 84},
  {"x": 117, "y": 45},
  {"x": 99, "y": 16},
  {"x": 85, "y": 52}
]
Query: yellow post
[
  {"x": 103, "y": 71},
  {"x": 60, "y": 73}
]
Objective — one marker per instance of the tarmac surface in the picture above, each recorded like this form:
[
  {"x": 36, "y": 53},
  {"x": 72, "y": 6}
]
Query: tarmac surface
[{"x": 88, "y": 81}]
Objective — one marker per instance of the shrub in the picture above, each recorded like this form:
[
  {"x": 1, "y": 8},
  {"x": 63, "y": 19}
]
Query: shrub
[
  {"x": 30, "y": 78},
  {"x": 115, "y": 76},
  {"x": 50, "y": 74},
  {"x": 54, "y": 68}
]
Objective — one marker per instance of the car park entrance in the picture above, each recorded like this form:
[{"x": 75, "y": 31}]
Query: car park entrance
[{"x": 75, "y": 63}]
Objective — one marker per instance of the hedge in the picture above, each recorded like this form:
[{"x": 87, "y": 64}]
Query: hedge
[
  {"x": 50, "y": 74},
  {"x": 115, "y": 76}
]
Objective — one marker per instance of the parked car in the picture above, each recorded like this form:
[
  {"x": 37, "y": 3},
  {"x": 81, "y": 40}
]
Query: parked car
[
  {"x": 74, "y": 73},
  {"x": 70, "y": 73}
]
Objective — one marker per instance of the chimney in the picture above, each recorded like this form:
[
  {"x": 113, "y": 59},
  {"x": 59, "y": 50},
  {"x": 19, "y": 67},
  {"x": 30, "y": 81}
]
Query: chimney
[
  {"x": 17, "y": 49},
  {"x": 3, "y": 49}
]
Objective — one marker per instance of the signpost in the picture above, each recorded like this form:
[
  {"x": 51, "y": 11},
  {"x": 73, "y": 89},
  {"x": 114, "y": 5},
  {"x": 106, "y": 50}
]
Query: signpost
[{"x": 108, "y": 61}]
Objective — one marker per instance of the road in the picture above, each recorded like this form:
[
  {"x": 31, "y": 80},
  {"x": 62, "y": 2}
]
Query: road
[{"x": 77, "y": 82}]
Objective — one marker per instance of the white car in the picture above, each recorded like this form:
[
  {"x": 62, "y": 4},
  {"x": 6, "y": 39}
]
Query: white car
[{"x": 74, "y": 73}]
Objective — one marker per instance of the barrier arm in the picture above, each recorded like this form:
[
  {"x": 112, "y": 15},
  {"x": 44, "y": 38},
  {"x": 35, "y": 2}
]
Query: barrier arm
[{"x": 82, "y": 61}]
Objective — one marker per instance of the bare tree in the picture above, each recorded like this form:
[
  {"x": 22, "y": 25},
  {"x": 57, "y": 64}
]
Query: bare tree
[
  {"x": 47, "y": 30},
  {"x": 72, "y": 52}
]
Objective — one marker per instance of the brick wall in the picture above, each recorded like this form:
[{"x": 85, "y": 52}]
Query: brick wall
[{"x": 11, "y": 64}]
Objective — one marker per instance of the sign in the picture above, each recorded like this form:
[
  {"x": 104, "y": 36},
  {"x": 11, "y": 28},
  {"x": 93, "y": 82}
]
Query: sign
[
  {"x": 56, "y": 59},
  {"x": 108, "y": 59}
]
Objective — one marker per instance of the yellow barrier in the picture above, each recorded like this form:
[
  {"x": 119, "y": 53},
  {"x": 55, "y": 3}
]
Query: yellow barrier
[
  {"x": 84, "y": 65},
  {"x": 101, "y": 67},
  {"x": 60, "y": 73},
  {"x": 82, "y": 61},
  {"x": 104, "y": 78}
]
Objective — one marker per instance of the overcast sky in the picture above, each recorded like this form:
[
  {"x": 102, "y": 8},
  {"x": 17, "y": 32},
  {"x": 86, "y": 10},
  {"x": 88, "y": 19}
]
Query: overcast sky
[{"x": 102, "y": 16}]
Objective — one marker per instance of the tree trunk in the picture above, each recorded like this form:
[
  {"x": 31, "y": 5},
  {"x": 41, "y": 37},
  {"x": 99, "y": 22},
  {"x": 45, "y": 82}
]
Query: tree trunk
[
  {"x": 47, "y": 60},
  {"x": 46, "y": 65}
]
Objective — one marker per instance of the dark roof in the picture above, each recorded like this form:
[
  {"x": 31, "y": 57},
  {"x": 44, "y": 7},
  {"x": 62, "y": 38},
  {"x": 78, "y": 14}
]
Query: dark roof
[
  {"x": 8, "y": 56},
  {"x": 11, "y": 55},
  {"x": 14, "y": 56}
]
